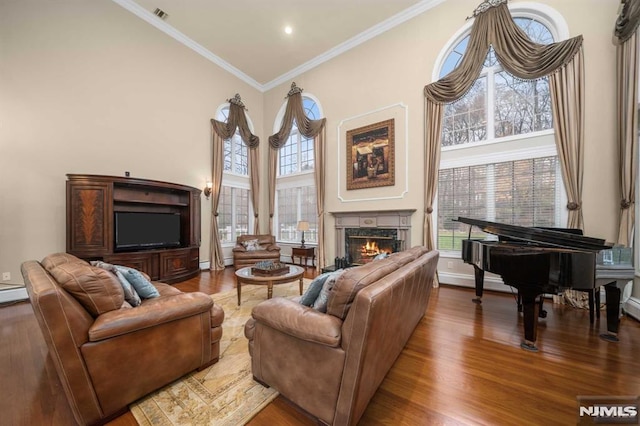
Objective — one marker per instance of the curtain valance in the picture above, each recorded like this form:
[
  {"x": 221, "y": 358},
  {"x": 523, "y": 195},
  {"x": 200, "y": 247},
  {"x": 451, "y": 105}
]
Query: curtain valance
[
  {"x": 237, "y": 119},
  {"x": 517, "y": 54},
  {"x": 628, "y": 20},
  {"x": 295, "y": 111}
]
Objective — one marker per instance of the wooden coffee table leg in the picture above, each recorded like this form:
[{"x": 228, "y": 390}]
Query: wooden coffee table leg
[
  {"x": 269, "y": 289},
  {"x": 300, "y": 286},
  {"x": 239, "y": 291}
]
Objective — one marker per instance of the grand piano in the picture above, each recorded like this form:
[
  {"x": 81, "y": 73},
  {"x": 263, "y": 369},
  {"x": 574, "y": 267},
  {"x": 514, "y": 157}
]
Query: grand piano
[{"x": 538, "y": 261}]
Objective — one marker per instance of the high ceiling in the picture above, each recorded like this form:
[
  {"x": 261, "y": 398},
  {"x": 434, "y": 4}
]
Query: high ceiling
[{"x": 247, "y": 37}]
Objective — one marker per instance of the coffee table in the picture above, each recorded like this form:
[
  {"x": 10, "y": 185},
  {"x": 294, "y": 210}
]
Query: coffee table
[{"x": 244, "y": 276}]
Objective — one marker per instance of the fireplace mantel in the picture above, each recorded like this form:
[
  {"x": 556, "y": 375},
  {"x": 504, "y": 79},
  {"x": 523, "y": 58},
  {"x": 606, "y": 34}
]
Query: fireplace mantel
[{"x": 389, "y": 219}]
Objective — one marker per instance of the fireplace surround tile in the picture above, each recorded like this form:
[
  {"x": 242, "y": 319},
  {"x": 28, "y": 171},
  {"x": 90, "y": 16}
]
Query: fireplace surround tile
[{"x": 397, "y": 220}]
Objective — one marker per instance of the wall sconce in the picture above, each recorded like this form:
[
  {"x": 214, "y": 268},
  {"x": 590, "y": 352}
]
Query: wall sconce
[
  {"x": 207, "y": 189},
  {"x": 303, "y": 225}
]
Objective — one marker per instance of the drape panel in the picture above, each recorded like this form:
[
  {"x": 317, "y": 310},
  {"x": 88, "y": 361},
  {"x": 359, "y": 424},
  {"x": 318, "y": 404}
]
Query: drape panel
[
  {"x": 626, "y": 32},
  {"x": 254, "y": 183},
  {"x": 311, "y": 129},
  {"x": 627, "y": 134},
  {"x": 433, "y": 134},
  {"x": 567, "y": 96},
  {"x": 319, "y": 143},
  {"x": 524, "y": 59},
  {"x": 221, "y": 132},
  {"x": 216, "y": 259}
]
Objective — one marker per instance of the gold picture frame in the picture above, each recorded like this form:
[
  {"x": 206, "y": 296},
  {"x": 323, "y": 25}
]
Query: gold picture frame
[{"x": 370, "y": 155}]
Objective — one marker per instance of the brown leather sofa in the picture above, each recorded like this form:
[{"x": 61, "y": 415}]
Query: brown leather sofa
[
  {"x": 331, "y": 364},
  {"x": 244, "y": 255},
  {"x": 108, "y": 354}
]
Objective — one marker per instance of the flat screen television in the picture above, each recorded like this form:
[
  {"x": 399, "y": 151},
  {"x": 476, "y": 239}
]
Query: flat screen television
[{"x": 140, "y": 231}]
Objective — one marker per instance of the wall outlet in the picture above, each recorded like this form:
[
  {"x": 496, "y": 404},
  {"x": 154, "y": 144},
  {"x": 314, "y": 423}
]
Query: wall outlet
[{"x": 6, "y": 276}]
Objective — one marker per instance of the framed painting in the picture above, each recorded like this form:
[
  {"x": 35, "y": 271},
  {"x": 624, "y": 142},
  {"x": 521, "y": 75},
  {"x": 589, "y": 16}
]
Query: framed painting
[{"x": 370, "y": 156}]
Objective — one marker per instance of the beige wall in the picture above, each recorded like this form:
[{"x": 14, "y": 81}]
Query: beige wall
[
  {"x": 86, "y": 87},
  {"x": 394, "y": 67}
]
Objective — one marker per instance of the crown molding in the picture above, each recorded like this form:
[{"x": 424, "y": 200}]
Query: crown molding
[
  {"x": 357, "y": 40},
  {"x": 364, "y": 36},
  {"x": 152, "y": 19}
]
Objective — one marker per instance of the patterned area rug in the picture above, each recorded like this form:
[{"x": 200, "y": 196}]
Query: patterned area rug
[{"x": 225, "y": 393}]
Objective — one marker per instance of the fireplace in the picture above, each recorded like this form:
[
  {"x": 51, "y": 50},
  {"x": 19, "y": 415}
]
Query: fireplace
[
  {"x": 360, "y": 236},
  {"x": 362, "y": 245}
]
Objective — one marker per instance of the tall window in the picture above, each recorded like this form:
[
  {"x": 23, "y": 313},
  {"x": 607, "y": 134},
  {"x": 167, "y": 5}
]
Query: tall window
[
  {"x": 234, "y": 208},
  {"x": 295, "y": 186},
  {"x": 499, "y": 160},
  {"x": 233, "y": 213}
]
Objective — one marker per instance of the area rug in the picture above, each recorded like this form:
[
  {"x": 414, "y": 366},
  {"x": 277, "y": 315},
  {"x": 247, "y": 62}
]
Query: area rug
[{"x": 225, "y": 393}]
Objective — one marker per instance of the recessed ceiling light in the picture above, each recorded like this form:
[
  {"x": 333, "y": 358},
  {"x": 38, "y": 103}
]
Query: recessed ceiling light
[{"x": 288, "y": 29}]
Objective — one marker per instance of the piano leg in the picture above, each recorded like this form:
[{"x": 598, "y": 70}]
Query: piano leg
[
  {"x": 612, "y": 293},
  {"x": 479, "y": 274},
  {"x": 530, "y": 312},
  {"x": 592, "y": 303},
  {"x": 541, "y": 312}
]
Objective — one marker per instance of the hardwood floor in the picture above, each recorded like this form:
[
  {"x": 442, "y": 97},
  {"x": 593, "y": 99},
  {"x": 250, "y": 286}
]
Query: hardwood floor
[{"x": 462, "y": 366}]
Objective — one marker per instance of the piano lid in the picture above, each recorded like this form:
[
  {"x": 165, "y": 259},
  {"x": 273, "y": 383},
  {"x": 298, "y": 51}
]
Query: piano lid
[{"x": 538, "y": 235}]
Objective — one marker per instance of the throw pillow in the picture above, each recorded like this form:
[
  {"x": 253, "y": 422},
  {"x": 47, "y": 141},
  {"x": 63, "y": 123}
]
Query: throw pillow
[
  {"x": 143, "y": 287},
  {"x": 96, "y": 289},
  {"x": 312, "y": 292},
  {"x": 103, "y": 265},
  {"x": 381, "y": 256},
  {"x": 130, "y": 294},
  {"x": 251, "y": 245},
  {"x": 320, "y": 303}
]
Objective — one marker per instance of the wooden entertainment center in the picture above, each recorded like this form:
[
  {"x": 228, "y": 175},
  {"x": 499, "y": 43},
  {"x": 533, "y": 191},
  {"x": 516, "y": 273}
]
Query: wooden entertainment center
[{"x": 92, "y": 202}]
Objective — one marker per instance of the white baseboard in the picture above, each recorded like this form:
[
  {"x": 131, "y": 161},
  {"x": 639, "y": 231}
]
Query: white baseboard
[
  {"x": 465, "y": 280},
  {"x": 13, "y": 295},
  {"x": 632, "y": 307},
  {"x": 204, "y": 266}
]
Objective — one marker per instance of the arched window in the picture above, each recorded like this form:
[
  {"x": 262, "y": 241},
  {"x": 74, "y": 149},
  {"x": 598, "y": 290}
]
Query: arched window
[
  {"x": 235, "y": 214},
  {"x": 295, "y": 185},
  {"x": 499, "y": 160},
  {"x": 498, "y": 105}
]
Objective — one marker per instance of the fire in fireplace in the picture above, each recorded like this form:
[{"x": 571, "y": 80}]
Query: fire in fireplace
[{"x": 364, "y": 244}]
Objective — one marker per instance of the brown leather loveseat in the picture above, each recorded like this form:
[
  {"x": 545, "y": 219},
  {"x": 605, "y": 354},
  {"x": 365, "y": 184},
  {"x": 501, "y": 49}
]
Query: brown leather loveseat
[
  {"x": 108, "y": 354},
  {"x": 250, "y": 249},
  {"x": 331, "y": 364}
]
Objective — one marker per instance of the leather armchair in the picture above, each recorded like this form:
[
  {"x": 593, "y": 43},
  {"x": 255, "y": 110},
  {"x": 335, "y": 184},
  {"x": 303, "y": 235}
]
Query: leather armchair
[
  {"x": 108, "y": 359},
  {"x": 243, "y": 255}
]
